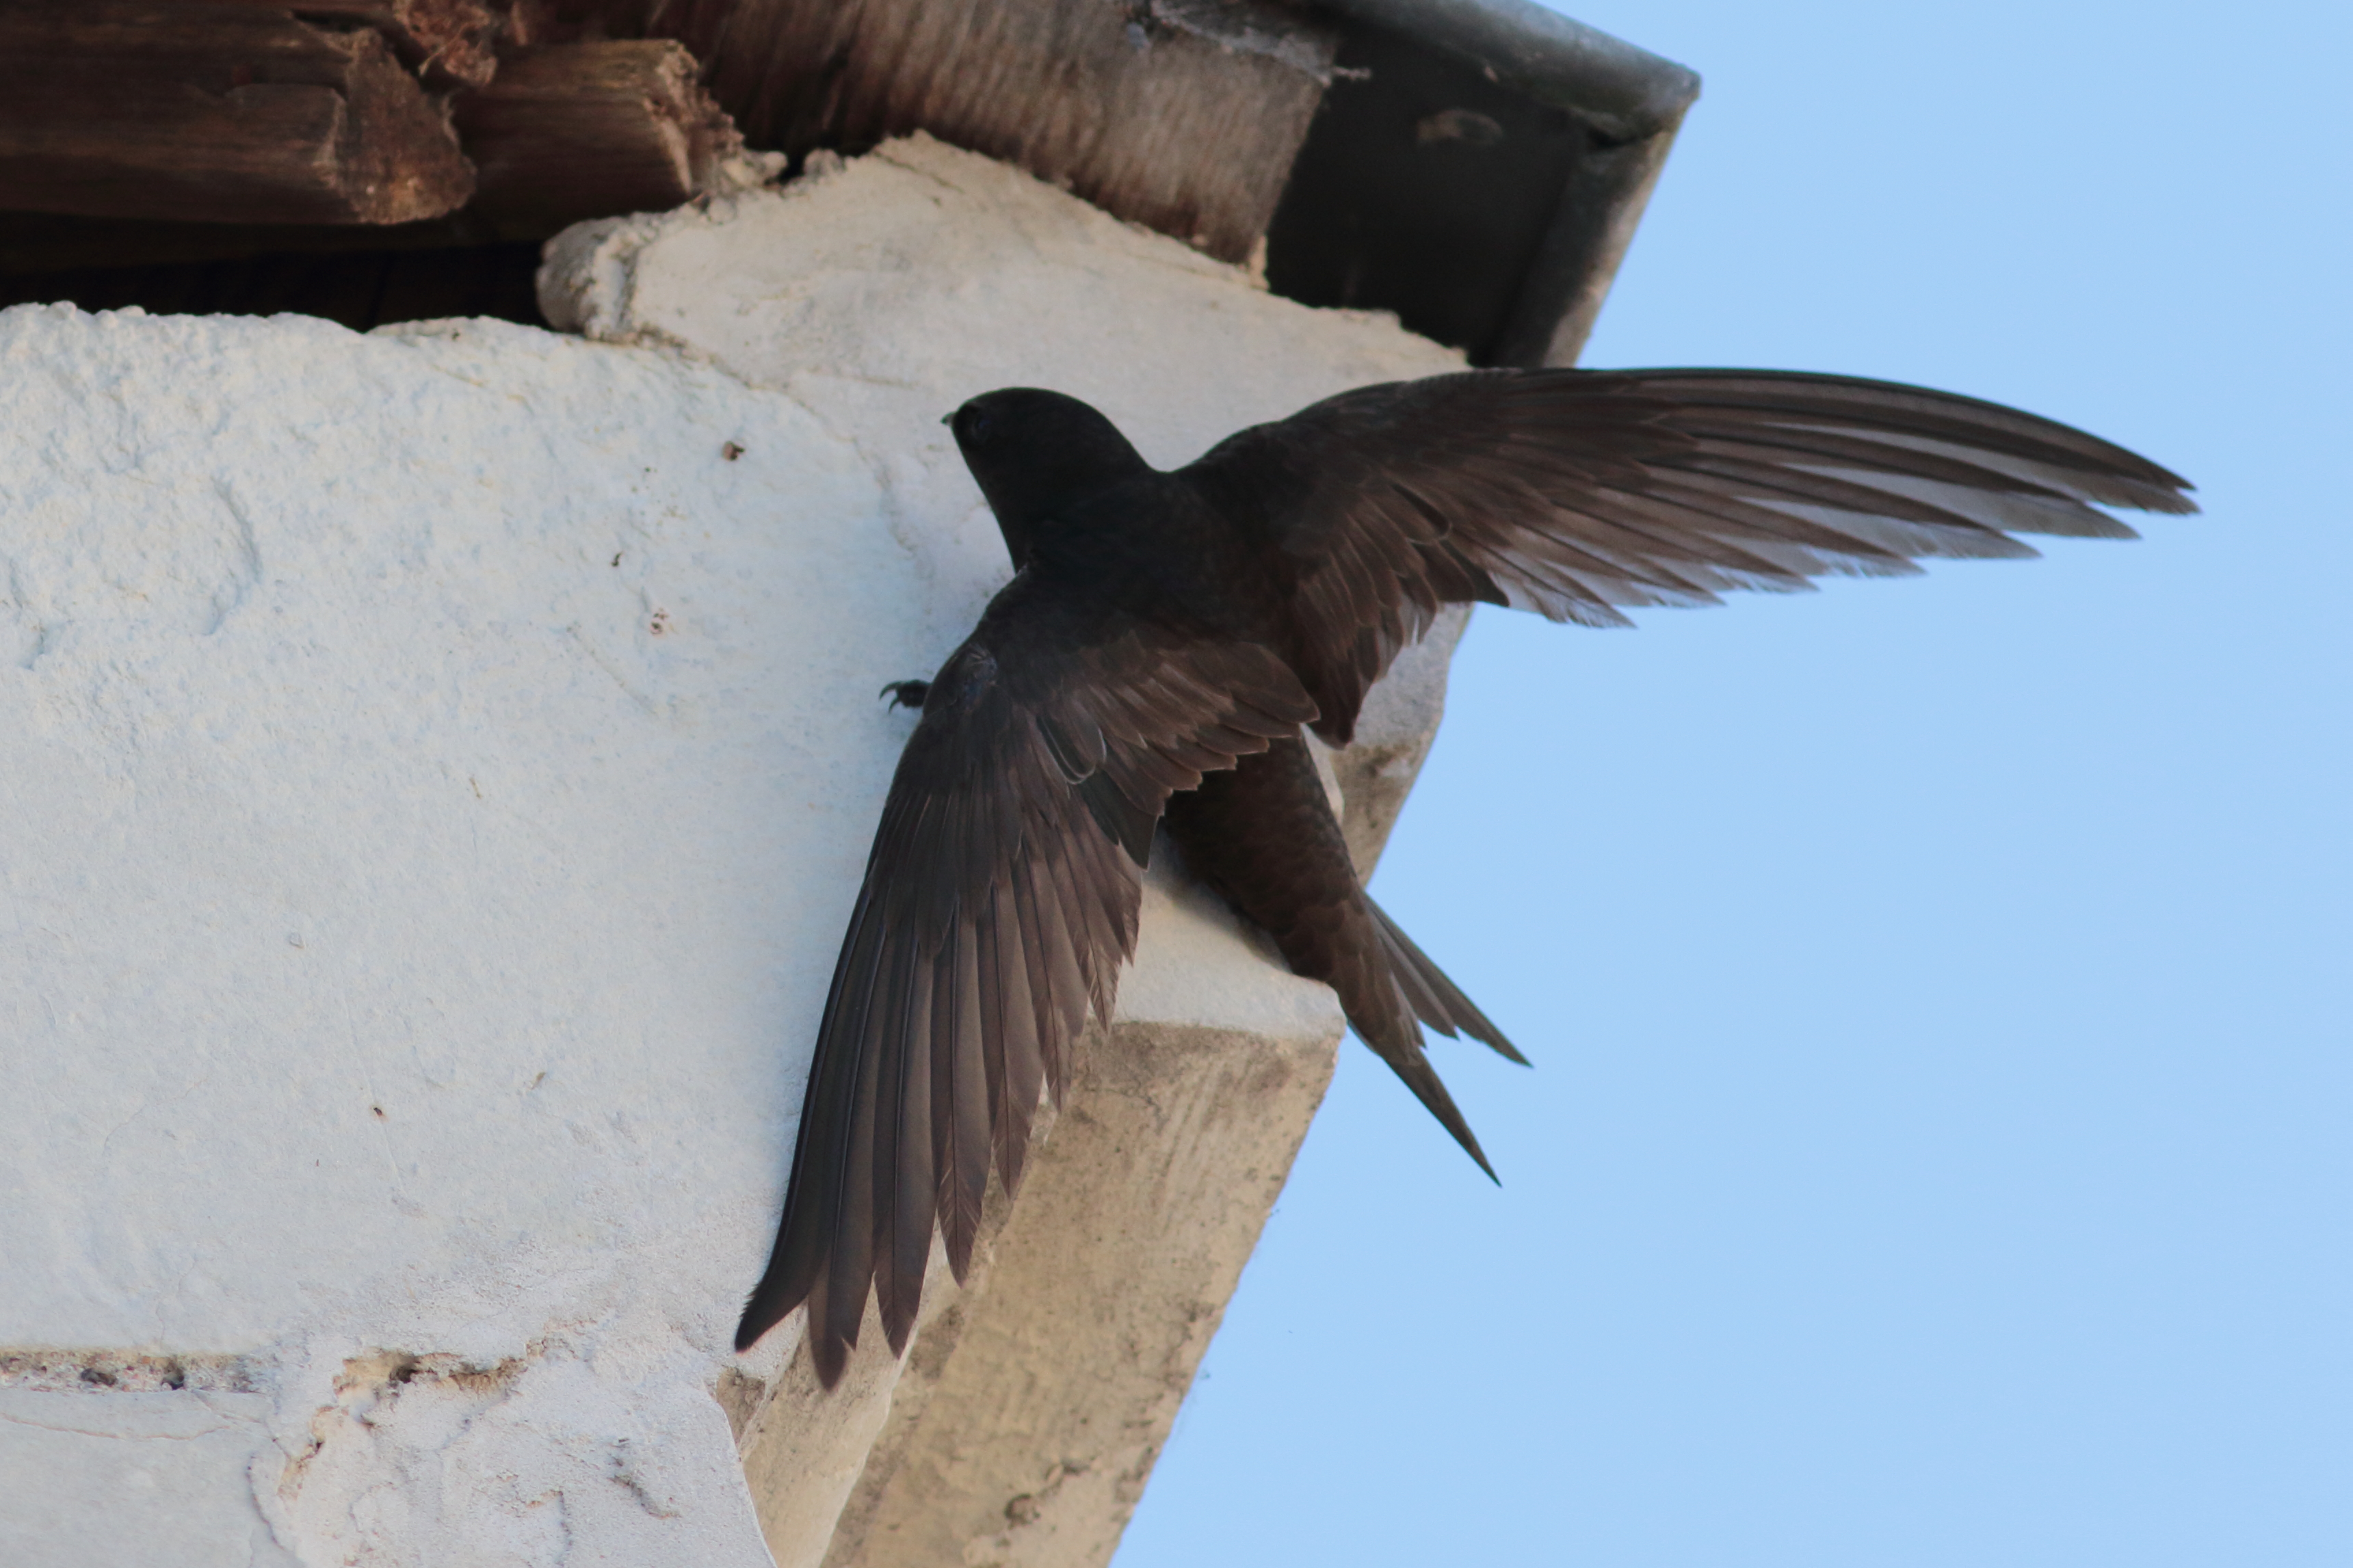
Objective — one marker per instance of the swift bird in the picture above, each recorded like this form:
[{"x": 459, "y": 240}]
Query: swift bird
[{"x": 1166, "y": 635}]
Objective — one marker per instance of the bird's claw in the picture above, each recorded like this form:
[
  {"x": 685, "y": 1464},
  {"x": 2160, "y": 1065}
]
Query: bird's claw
[{"x": 907, "y": 693}]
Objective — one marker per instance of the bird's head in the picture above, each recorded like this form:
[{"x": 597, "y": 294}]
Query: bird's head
[{"x": 1038, "y": 454}]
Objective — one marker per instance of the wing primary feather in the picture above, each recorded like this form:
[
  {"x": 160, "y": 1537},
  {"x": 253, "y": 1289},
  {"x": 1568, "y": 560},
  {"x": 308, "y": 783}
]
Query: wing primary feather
[
  {"x": 1025, "y": 1070},
  {"x": 1816, "y": 488},
  {"x": 1577, "y": 493},
  {"x": 1041, "y": 949},
  {"x": 996, "y": 969},
  {"x": 1064, "y": 1001},
  {"x": 850, "y": 1263},
  {"x": 1909, "y": 411},
  {"x": 903, "y": 1180},
  {"x": 831, "y": 1355},
  {"x": 1810, "y": 445},
  {"x": 798, "y": 1258},
  {"x": 965, "y": 1117},
  {"x": 1122, "y": 820}
]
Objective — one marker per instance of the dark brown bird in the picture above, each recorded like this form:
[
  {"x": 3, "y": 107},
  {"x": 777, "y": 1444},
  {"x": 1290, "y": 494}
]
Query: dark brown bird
[{"x": 1165, "y": 637}]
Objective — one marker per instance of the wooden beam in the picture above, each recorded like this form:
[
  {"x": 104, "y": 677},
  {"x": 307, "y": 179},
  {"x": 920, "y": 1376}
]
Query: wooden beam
[
  {"x": 567, "y": 131},
  {"x": 449, "y": 43},
  {"x": 216, "y": 114}
]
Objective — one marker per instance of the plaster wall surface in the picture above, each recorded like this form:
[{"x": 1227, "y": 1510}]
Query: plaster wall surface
[
  {"x": 439, "y": 764},
  {"x": 884, "y": 293}
]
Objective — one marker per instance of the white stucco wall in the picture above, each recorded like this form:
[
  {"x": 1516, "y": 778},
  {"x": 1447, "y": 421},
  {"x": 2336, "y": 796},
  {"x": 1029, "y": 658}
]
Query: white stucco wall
[{"x": 436, "y": 775}]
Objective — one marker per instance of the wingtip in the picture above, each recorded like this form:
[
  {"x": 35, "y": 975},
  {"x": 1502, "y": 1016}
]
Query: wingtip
[
  {"x": 1503, "y": 1047},
  {"x": 830, "y": 1356},
  {"x": 899, "y": 1326},
  {"x": 827, "y": 1353},
  {"x": 754, "y": 1325},
  {"x": 1420, "y": 1076},
  {"x": 1470, "y": 1147},
  {"x": 1476, "y": 1028}
]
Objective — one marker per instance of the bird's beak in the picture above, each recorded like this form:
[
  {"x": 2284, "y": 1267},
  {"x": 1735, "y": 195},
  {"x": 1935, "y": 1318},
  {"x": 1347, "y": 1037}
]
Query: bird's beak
[{"x": 947, "y": 419}]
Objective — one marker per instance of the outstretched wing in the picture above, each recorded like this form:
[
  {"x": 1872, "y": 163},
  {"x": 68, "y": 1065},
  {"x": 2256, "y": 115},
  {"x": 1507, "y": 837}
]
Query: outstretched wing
[
  {"x": 1574, "y": 492},
  {"x": 999, "y": 900}
]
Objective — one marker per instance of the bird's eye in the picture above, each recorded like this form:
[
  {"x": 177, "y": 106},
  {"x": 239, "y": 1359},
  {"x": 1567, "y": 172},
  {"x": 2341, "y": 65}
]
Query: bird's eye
[{"x": 976, "y": 427}]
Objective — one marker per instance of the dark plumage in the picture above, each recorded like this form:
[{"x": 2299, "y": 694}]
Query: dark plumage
[
  {"x": 1262, "y": 835},
  {"x": 1166, "y": 635}
]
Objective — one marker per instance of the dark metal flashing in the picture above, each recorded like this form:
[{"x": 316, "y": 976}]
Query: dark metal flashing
[
  {"x": 1623, "y": 92},
  {"x": 1478, "y": 166}
]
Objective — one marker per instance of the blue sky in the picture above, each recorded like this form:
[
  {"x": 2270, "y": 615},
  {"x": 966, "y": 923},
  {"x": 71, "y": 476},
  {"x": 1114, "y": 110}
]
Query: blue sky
[{"x": 1938, "y": 1147}]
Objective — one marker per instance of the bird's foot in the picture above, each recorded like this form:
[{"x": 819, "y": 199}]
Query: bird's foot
[{"x": 907, "y": 693}]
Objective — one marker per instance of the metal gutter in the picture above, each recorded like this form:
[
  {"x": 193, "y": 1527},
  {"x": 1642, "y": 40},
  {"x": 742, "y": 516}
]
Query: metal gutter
[
  {"x": 1478, "y": 166},
  {"x": 1624, "y": 92}
]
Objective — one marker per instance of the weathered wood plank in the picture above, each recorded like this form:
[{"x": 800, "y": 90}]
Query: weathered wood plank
[
  {"x": 215, "y": 114},
  {"x": 567, "y": 131},
  {"x": 452, "y": 43}
]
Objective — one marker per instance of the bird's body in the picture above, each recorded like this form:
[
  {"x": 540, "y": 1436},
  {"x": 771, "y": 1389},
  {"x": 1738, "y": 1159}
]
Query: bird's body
[{"x": 1164, "y": 640}]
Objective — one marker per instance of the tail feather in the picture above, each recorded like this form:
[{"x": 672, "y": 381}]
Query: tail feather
[
  {"x": 1437, "y": 1000},
  {"x": 1412, "y": 1067},
  {"x": 1263, "y": 836}
]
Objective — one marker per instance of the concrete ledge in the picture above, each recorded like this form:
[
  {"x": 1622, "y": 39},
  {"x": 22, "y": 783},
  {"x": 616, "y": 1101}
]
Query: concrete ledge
[{"x": 1033, "y": 1406}]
